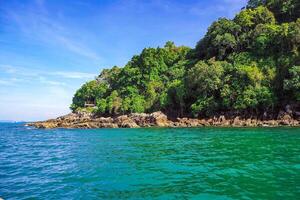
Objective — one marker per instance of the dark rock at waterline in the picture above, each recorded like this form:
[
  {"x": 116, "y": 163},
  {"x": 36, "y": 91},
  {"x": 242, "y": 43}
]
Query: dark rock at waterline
[{"x": 158, "y": 119}]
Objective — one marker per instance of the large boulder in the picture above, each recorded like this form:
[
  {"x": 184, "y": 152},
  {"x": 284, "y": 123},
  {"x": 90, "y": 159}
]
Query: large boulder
[
  {"x": 124, "y": 121},
  {"x": 237, "y": 122},
  {"x": 159, "y": 119},
  {"x": 288, "y": 109},
  {"x": 270, "y": 123},
  {"x": 141, "y": 119},
  {"x": 284, "y": 118},
  {"x": 104, "y": 120},
  {"x": 46, "y": 125},
  {"x": 188, "y": 122}
]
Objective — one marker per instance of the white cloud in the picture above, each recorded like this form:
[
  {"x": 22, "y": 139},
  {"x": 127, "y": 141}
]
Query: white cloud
[
  {"x": 49, "y": 96},
  {"x": 51, "y": 102},
  {"x": 5, "y": 82},
  {"x": 76, "y": 47},
  {"x": 10, "y": 81},
  {"x": 74, "y": 75},
  {"x": 35, "y": 23},
  {"x": 8, "y": 69},
  {"x": 49, "y": 82},
  {"x": 26, "y": 72}
]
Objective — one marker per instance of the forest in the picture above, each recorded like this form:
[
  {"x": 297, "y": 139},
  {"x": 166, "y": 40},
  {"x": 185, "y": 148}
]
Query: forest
[{"x": 246, "y": 65}]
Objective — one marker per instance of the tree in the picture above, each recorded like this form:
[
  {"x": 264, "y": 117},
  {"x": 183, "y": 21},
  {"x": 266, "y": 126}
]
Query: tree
[
  {"x": 292, "y": 83},
  {"x": 204, "y": 78},
  {"x": 114, "y": 102},
  {"x": 248, "y": 19},
  {"x": 219, "y": 41},
  {"x": 254, "y": 98},
  {"x": 101, "y": 106},
  {"x": 89, "y": 92},
  {"x": 126, "y": 105},
  {"x": 284, "y": 10},
  {"x": 138, "y": 104},
  {"x": 204, "y": 106},
  {"x": 246, "y": 65},
  {"x": 175, "y": 96}
]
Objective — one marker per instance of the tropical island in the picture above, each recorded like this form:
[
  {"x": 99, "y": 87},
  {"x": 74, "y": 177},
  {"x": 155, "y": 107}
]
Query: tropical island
[{"x": 245, "y": 71}]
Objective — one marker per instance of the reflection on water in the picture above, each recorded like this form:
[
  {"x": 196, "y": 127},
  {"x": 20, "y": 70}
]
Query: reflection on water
[{"x": 204, "y": 163}]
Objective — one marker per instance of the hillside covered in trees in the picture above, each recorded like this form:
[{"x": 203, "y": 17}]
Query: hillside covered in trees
[{"x": 248, "y": 65}]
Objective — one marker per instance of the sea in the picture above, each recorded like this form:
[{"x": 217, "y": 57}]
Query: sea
[{"x": 149, "y": 163}]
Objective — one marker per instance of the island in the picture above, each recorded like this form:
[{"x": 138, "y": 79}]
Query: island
[{"x": 245, "y": 71}]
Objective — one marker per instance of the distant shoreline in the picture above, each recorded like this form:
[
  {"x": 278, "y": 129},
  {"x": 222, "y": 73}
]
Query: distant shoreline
[
  {"x": 157, "y": 119},
  {"x": 13, "y": 122}
]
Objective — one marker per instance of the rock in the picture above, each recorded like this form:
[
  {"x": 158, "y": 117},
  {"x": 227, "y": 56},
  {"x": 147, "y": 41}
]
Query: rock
[
  {"x": 83, "y": 114},
  {"x": 254, "y": 122},
  {"x": 281, "y": 115},
  {"x": 188, "y": 122},
  {"x": 296, "y": 123},
  {"x": 236, "y": 121},
  {"x": 222, "y": 119},
  {"x": 284, "y": 118},
  {"x": 157, "y": 119},
  {"x": 107, "y": 125},
  {"x": 297, "y": 114},
  {"x": 288, "y": 109},
  {"x": 68, "y": 116},
  {"x": 248, "y": 122},
  {"x": 259, "y": 123},
  {"x": 194, "y": 123},
  {"x": 125, "y": 122},
  {"x": 46, "y": 125},
  {"x": 283, "y": 122},
  {"x": 104, "y": 120},
  {"x": 141, "y": 119},
  {"x": 271, "y": 123},
  {"x": 204, "y": 122}
]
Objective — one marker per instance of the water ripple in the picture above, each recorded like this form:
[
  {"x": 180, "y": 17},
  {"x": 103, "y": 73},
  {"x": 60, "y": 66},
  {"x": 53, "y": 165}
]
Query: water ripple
[{"x": 203, "y": 163}]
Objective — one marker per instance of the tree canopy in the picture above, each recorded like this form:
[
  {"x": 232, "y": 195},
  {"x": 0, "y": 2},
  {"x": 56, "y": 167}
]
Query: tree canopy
[{"x": 248, "y": 64}]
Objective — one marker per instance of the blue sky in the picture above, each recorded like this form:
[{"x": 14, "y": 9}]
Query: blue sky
[{"x": 50, "y": 48}]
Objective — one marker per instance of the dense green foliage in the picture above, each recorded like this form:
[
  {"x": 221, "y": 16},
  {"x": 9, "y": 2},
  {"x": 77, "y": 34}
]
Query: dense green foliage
[
  {"x": 284, "y": 10},
  {"x": 250, "y": 64}
]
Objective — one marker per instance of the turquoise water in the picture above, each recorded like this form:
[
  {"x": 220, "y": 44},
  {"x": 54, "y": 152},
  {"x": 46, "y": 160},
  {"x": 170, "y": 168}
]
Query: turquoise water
[{"x": 202, "y": 163}]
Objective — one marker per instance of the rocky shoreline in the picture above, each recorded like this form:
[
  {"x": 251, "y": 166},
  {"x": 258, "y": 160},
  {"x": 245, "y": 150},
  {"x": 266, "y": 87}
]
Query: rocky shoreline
[{"x": 158, "y": 119}]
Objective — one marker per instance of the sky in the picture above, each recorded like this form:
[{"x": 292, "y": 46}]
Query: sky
[{"x": 49, "y": 48}]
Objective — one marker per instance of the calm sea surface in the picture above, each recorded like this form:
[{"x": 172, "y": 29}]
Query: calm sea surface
[{"x": 202, "y": 163}]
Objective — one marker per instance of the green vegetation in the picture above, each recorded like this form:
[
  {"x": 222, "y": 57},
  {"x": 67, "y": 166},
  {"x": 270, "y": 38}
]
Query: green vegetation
[{"x": 250, "y": 64}]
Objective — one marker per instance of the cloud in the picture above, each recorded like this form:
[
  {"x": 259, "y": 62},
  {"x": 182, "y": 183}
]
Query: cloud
[
  {"x": 20, "y": 77},
  {"x": 27, "y": 72},
  {"x": 5, "y": 82},
  {"x": 50, "y": 82},
  {"x": 8, "y": 69},
  {"x": 35, "y": 23},
  {"x": 74, "y": 75},
  {"x": 48, "y": 103},
  {"x": 76, "y": 47},
  {"x": 10, "y": 81}
]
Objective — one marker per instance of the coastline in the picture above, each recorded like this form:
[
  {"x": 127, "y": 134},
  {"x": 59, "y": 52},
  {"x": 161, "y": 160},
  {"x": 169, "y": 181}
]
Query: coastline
[{"x": 157, "y": 119}]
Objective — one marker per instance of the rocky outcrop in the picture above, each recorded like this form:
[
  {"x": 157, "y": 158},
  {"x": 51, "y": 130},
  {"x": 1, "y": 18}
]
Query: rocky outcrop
[{"x": 158, "y": 119}]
